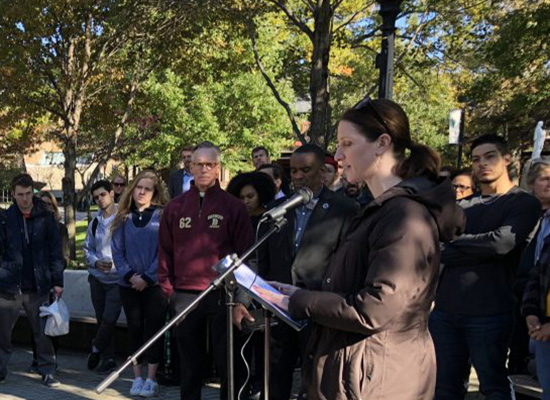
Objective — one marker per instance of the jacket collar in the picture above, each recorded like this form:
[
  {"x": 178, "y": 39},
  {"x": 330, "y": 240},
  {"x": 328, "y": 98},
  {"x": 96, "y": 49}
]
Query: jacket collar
[
  {"x": 38, "y": 208},
  {"x": 213, "y": 189}
]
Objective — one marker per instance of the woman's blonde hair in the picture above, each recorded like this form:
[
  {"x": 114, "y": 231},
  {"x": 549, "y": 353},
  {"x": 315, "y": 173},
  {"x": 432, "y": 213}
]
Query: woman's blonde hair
[
  {"x": 160, "y": 196},
  {"x": 55, "y": 206}
]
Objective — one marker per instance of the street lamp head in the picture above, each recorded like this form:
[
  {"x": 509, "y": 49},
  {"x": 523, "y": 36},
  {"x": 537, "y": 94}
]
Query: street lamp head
[
  {"x": 389, "y": 4},
  {"x": 389, "y": 10}
]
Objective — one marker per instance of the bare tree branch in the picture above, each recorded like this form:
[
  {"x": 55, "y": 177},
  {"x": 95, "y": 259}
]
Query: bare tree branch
[
  {"x": 58, "y": 134},
  {"x": 337, "y": 4},
  {"x": 300, "y": 24},
  {"x": 367, "y": 47},
  {"x": 310, "y": 5},
  {"x": 295, "y": 127},
  {"x": 351, "y": 18},
  {"x": 423, "y": 23},
  {"x": 408, "y": 75},
  {"x": 116, "y": 137},
  {"x": 359, "y": 39}
]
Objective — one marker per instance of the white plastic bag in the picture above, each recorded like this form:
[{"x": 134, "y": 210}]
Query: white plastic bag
[{"x": 57, "y": 323}]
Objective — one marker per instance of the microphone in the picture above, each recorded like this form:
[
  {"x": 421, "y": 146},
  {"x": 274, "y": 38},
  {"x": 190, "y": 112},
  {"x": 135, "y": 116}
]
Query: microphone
[{"x": 302, "y": 196}]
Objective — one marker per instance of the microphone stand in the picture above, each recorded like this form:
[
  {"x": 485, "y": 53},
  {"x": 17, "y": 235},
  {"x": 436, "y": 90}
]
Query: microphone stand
[
  {"x": 215, "y": 284},
  {"x": 267, "y": 352}
]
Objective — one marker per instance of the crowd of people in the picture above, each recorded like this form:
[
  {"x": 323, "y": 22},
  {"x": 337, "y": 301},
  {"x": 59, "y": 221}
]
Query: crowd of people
[{"x": 407, "y": 278}]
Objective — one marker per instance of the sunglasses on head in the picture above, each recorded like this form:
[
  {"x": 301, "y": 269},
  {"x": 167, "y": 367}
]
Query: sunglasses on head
[{"x": 367, "y": 102}]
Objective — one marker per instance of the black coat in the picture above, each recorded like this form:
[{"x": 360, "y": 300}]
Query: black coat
[
  {"x": 538, "y": 286},
  {"x": 324, "y": 232},
  {"x": 47, "y": 256},
  {"x": 176, "y": 183}
]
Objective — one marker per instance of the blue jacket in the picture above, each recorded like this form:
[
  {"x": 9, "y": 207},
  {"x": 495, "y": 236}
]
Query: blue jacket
[
  {"x": 135, "y": 250},
  {"x": 47, "y": 255}
]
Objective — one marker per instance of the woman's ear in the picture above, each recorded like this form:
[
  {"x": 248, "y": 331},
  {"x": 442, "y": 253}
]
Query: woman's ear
[{"x": 383, "y": 143}]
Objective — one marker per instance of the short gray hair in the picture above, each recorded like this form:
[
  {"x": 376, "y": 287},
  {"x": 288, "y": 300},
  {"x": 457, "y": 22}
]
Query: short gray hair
[
  {"x": 208, "y": 146},
  {"x": 537, "y": 166}
]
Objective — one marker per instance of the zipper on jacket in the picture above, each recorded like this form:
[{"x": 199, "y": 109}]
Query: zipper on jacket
[
  {"x": 21, "y": 266},
  {"x": 26, "y": 231},
  {"x": 201, "y": 201}
]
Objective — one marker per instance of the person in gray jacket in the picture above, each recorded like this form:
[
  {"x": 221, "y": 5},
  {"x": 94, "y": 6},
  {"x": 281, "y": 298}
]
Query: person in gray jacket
[{"x": 103, "y": 278}]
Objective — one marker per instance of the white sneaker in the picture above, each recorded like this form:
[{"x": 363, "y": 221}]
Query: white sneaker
[
  {"x": 137, "y": 386},
  {"x": 150, "y": 388}
]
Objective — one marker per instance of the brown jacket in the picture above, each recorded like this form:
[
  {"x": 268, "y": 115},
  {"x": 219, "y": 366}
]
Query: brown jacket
[{"x": 370, "y": 338}]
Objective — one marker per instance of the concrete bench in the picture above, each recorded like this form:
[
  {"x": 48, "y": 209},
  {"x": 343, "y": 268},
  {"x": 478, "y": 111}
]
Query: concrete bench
[{"x": 76, "y": 293}]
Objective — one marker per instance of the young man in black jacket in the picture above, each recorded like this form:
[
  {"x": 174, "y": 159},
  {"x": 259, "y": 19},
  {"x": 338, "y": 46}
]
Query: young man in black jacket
[
  {"x": 32, "y": 265},
  {"x": 474, "y": 306}
]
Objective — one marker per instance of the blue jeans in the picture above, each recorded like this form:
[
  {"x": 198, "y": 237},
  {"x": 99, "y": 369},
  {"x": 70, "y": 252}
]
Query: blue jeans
[
  {"x": 542, "y": 359},
  {"x": 483, "y": 341}
]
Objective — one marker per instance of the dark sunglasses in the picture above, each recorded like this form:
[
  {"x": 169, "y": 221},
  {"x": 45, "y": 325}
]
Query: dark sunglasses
[
  {"x": 368, "y": 102},
  {"x": 119, "y": 184}
]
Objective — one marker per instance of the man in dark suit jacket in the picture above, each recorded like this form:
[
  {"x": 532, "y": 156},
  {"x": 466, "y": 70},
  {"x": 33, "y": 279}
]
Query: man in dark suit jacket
[
  {"x": 300, "y": 253},
  {"x": 180, "y": 180}
]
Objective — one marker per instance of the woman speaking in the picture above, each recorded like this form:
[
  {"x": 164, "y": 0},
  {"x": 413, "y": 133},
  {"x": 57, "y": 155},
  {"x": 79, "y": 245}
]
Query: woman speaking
[{"x": 369, "y": 336}]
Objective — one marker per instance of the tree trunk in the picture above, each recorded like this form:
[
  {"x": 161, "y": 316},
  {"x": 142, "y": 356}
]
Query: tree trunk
[
  {"x": 20, "y": 162},
  {"x": 69, "y": 191},
  {"x": 319, "y": 89}
]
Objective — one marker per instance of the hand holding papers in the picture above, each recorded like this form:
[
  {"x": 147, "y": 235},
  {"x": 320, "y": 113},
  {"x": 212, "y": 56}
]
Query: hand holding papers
[
  {"x": 278, "y": 299},
  {"x": 263, "y": 292},
  {"x": 284, "y": 288}
]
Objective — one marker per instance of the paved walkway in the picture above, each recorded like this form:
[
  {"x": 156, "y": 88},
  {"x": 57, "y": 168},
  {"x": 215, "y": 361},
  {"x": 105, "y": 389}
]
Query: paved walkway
[{"x": 77, "y": 383}]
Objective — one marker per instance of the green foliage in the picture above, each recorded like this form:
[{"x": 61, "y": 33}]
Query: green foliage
[
  {"x": 6, "y": 175},
  {"x": 498, "y": 55},
  {"x": 197, "y": 79},
  {"x": 237, "y": 113}
]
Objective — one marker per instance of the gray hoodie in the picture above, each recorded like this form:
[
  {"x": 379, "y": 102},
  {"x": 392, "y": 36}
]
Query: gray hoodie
[{"x": 98, "y": 248}]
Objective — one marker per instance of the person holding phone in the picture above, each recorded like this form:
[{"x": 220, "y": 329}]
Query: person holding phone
[{"x": 102, "y": 278}]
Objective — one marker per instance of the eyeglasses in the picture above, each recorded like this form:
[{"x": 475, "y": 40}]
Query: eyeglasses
[
  {"x": 208, "y": 165},
  {"x": 462, "y": 188},
  {"x": 368, "y": 102},
  {"x": 119, "y": 184}
]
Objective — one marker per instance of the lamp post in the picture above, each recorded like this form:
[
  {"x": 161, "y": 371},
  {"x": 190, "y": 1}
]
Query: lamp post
[{"x": 389, "y": 10}]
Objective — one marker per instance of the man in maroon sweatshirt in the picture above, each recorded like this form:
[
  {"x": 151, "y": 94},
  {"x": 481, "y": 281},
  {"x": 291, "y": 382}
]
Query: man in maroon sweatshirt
[{"x": 198, "y": 229}]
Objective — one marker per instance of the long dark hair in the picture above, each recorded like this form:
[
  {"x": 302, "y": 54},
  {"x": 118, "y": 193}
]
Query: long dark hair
[{"x": 375, "y": 117}]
